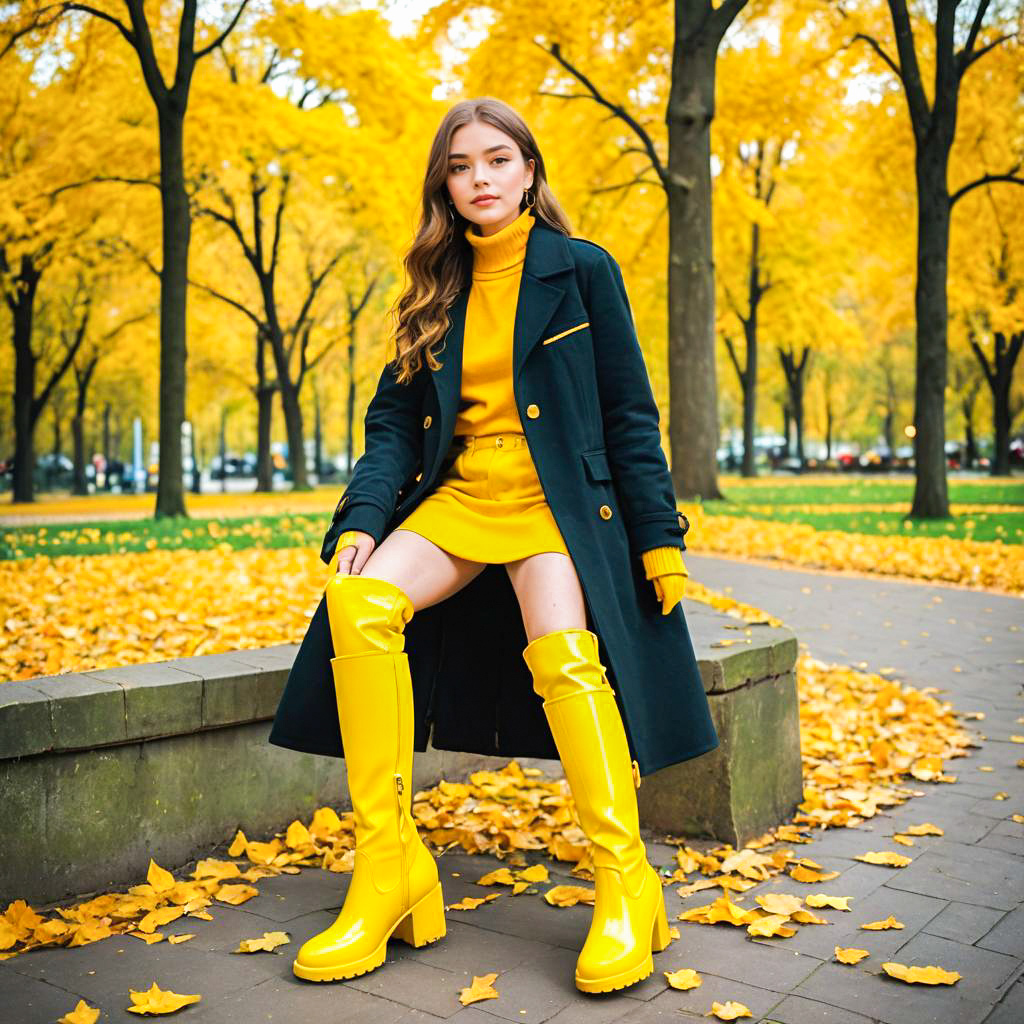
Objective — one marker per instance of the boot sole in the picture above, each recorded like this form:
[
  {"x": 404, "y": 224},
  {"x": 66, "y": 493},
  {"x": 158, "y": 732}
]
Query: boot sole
[{"x": 422, "y": 923}]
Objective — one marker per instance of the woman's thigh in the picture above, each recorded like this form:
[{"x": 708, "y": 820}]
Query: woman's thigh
[
  {"x": 549, "y": 592},
  {"x": 426, "y": 573}
]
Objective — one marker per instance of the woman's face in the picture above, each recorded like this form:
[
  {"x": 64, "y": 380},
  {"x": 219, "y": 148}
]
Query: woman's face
[{"x": 484, "y": 161}]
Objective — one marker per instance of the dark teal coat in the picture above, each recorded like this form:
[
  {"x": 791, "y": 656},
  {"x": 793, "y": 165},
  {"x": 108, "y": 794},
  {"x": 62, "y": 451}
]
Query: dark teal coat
[{"x": 591, "y": 424}]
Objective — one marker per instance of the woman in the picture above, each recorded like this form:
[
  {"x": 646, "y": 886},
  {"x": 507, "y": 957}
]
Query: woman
[{"x": 514, "y": 510}]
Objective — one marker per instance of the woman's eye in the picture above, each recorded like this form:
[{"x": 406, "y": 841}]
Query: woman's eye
[{"x": 457, "y": 167}]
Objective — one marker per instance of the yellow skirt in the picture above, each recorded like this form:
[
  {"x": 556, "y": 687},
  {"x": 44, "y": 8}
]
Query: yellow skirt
[{"x": 489, "y": 506}]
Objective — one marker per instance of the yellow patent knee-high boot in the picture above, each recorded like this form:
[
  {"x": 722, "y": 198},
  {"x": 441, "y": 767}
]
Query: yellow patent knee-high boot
[
  {"x": 629, "y": 921},
  {"x": 395, "y": 890}
]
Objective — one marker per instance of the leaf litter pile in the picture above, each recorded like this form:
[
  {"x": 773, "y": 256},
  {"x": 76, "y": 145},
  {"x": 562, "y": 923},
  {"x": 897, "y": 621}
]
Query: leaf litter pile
[
  {"x": 248, "y": 590},
  {"x": 866, "y": 741}
]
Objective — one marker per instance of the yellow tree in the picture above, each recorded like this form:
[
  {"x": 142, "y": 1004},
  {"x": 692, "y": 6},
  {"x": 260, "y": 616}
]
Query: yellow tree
[
  {"x": 294, "y": 179},
  {"x": 773, "y": 140},
  {"x": 157, "y": 42},
  {"x": 930, "y": 53},
  {"x": 987, "y": 255},
  {"x": 49, "y": 134}
]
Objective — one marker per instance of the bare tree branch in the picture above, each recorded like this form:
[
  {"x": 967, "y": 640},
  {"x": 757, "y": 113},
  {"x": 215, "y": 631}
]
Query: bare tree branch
[
  {"x": 985, "y": 179},
  {"x": 219, "y": 41}
]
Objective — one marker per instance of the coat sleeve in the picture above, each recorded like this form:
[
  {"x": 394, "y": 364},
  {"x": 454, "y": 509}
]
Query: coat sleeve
[
  {"x": 392, "y": 455},
  {"x": 631, "y": 417}
]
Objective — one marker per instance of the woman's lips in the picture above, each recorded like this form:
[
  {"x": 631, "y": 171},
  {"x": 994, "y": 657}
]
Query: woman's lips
[{"x": 485, "y": 201}]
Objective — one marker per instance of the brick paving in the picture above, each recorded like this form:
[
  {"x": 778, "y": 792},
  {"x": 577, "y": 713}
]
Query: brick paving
[{"x": 961, "y": 900}]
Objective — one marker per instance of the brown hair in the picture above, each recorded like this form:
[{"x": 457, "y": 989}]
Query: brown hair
[{"x": 439, "y": 262}]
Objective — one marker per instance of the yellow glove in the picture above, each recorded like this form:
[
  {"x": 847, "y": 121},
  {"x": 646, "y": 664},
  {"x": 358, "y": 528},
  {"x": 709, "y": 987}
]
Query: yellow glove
[
  {"x": 347, "y": 538},
  {"x": 665, "y": 567}
]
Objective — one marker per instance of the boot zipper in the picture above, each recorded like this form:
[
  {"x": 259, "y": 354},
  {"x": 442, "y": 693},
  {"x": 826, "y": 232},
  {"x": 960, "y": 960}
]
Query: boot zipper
[{"x": 399, "y": 789}]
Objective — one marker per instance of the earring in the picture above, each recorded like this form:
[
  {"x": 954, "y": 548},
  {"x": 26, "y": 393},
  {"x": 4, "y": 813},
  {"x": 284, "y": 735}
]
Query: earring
[{"x": 529, "y": 195}]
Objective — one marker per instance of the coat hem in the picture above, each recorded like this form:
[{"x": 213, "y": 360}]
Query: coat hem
[{"x": 714, "y": 745}]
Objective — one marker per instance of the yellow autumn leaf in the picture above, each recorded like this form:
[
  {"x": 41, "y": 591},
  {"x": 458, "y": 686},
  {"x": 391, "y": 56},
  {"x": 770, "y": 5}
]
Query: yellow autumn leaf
[
  {"x": 482, "y": 988},
  {"x": 902, "y": 840},
  {"x": 771, "y": 925},
  {"x": 236, "y": 894},
  {"x": 724, "y": 911},
  {"x": 850, "y": 955},
  {"x": 881, "y": 926},
  {"x": 819, "y": 900},
  {"x": 160, "y": 878},
  {"x": 182, "y": 937},
  {"x": 534, "y": 873},
  {"x": 927, "y": 829},
  {"x": 806, "y": 917},
  {"x": 471, "y": 902},
  {"x": 1018, "y": 818},
  {"x": 161, "y": 916},
  {"x": 780, "y": 903},
  {"x": 297, "y": 836},
  {"x": 728, "y": 1011},
  {"x": 268, "y": 942},
  {"x": 157, "y": 1000},
  {"x": 809, "y": 876},
  {"x": 683, "y": 979},
  {"x": 921, "y": 975},
  {"x": 569, "y": 895},
  {"x": 885, "y": 858},
  {"x": 83, "y": 1013},
  {"x": 501, "y": 876}
]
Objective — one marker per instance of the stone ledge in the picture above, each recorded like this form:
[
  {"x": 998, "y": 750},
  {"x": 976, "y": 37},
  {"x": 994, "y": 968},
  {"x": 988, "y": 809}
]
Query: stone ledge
[
  {"x": 81, "y": 710},
  {"x": 102, "y": 770}
]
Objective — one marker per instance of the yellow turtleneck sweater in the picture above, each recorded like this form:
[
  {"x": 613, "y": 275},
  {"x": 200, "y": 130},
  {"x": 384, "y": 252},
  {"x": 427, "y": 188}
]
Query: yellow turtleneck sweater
[{"x": 487, "y": 403}]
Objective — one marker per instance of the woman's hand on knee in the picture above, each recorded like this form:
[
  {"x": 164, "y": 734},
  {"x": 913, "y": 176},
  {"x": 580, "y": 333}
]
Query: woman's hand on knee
[{"x": 354, "y": 548}]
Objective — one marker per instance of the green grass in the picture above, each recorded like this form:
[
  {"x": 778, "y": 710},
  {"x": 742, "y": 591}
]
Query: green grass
[
  {"x": 814, "y": 501},
  {"x": 189, "y": 534},
  {"x": 779, "y": 499},
  {"x": 860, "y": 490}
]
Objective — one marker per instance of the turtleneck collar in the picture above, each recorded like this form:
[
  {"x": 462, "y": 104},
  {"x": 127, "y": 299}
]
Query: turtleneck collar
[{"x": 503, "y": 252}]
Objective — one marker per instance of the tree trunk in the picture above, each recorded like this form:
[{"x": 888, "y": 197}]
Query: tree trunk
[
  {"x": 294, "y": 430},
  {"x": 21, "y": 302},
  {"x": 693, "y": 388},
  {"x": 931, "y": 492},
  {"x": 318, "y": 436},
  {"x": 80, "y": 484},
  {"x": 107, "y": 455},
  {"x": 177, "y": 229}
]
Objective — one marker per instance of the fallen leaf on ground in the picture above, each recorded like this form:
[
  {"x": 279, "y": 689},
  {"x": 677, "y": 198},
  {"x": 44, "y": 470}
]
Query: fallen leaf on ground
[
  {"x": 886, "y": 858},
  {"x": 819, "y": 900},
  {"x": 927, "y": 829},
  {"x": 728, "y": 1011},
  {"x": 921, "y": 975},
  {"x": 268, "y": 942},
  {"x": 881, "y": 926},
  {"x": 157, "y": 1000},
  {"x": 683, "y": 979},
  {"x": 850, "y": 955},
  {"x": 482, "y": 988},
  {"x": 569, "y": 895},
  {"x": 83, "y": 1013}
]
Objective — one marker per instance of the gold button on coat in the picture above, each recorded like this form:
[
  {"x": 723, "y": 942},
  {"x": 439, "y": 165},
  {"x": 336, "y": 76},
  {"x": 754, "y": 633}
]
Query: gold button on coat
[
  {"x": 532, "y": 411},
  {"x": 426, "y": 423},
  {"x": 606, "y": 512}
]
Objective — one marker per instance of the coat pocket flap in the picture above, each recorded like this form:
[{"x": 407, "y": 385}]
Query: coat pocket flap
[{"x": 596, "y": 462}]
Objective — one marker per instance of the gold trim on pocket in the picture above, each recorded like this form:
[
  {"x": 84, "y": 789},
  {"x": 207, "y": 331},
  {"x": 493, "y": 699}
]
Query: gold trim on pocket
[{"x": 555, "y": 337}]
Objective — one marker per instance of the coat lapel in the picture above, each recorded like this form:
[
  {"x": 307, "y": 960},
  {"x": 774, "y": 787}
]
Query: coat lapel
[{"x": 547, "y": 254}]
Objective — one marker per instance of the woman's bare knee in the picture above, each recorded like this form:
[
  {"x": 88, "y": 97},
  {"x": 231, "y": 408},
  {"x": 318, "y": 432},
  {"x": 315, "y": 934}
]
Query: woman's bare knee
[
  {"x": 425, "y": 572},
  {"x": 549, "y": 593}
]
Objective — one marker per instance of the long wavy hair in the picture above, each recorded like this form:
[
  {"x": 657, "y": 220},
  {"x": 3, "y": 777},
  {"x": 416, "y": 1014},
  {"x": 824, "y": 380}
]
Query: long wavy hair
[{"x": 439, "y": 263}]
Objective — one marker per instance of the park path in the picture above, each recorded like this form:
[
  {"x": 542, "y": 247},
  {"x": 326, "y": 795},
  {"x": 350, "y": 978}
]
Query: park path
[{"x": 960, "y": 900}]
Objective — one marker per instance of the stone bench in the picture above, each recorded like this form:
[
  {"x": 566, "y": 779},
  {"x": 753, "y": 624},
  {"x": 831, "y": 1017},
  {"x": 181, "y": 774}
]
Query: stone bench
[{"x": 102, "y": 770}]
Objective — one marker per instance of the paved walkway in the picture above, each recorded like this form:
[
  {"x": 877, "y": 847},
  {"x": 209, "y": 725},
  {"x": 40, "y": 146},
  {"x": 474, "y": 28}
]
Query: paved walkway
[{"x": 960, "y": 900}]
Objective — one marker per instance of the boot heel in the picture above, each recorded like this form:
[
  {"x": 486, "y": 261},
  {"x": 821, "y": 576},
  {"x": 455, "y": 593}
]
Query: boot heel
[
  {"x": 424, "y": 922},
  {"x": 660, "y": 937}
]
